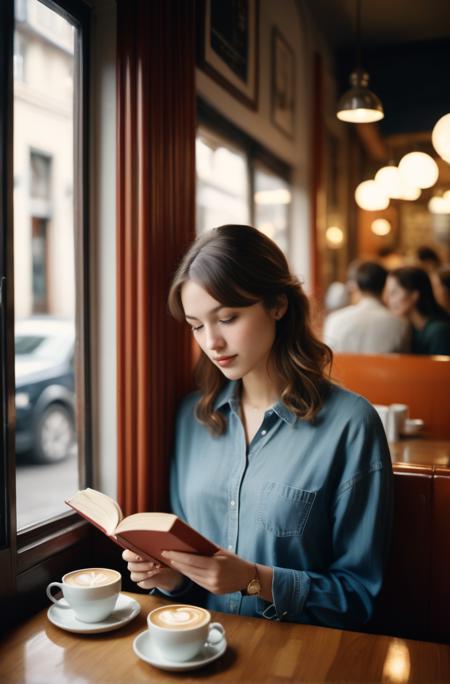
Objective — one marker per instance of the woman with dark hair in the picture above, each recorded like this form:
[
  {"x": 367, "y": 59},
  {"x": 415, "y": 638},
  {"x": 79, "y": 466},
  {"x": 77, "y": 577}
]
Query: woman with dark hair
[
  {"x": 409, "y": 293},
  {"x": 287, "y": 473},
  {"x": 441, "y": 287}
]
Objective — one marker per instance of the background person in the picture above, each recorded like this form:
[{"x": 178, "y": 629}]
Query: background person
[
  {"x": 366, "y": 327},
  {"x": 409, "y": 294},
  {"x": 440, "y": 281},
  {"x": 428, "y": 259},
  {"x": 289, "y": 474}
]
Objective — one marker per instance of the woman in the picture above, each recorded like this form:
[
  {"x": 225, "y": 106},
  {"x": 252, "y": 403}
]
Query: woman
[
  {"x": 289, "y": 474},
  {"x": 441, "y": 287},
  {"x": 409, "y": 294}
]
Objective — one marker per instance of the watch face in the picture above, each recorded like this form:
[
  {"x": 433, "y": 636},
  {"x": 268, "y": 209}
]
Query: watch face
[{"x": 254, "y": 587}]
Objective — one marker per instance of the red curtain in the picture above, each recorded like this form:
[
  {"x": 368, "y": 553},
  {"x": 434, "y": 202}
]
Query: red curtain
[{"x": 155, "y": 223}]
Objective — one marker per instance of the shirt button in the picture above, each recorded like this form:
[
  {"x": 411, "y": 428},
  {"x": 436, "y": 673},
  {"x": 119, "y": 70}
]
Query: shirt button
[
  {"x": 263, "y": 432},
  {"x": 230, "y": 547},
  {"x": 232, "y": 503}
]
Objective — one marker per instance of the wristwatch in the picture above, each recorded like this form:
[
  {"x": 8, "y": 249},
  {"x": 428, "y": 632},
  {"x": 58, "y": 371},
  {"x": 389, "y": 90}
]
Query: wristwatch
[{"x": 253, "y": 588}]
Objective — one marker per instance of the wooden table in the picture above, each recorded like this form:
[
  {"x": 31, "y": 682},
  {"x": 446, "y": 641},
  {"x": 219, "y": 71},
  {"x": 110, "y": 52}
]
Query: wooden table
[
  {"x": 421, "y": 451},
  {"x": 258, "y": 651}
]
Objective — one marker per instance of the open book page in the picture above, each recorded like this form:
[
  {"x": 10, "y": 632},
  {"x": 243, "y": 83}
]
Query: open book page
[
  {"x": 158, "y": 522},
  {"x": 97, "y": 507}
]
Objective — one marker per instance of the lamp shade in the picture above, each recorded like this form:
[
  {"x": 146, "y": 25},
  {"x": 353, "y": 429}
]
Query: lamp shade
[
  {"x": 380, "y": 226},
  {"x": 359, "y": 104},
  {"x": 371, "y": 196},
  {"x": 419, "y": 169},
  {"x": 394, "y": 184},
  {"x": 440, "y": 137},
  {"x": 334, "y": 237},
  {"x": 439, "y": 205}
]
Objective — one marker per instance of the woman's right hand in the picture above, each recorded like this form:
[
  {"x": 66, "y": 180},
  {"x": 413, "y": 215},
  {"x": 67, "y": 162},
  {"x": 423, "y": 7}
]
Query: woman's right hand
[{"x": 148, "y": 574}]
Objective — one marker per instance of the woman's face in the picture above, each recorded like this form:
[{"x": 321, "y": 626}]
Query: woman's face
[
  {"x": 238, "y": 340},
  {"x": 400, "y": 301}
]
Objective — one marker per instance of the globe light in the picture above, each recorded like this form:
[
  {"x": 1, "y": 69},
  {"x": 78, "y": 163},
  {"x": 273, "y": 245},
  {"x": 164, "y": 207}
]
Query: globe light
[
  {"x": 381, "y": 226},
  {"x": 388, "y": 177},
  {"x": 394, "y": 185},
  {"x": 409, "y": 192},
  {"x": 371, "y": 196},
  {"x": 419, "y": 169},
  {"x": 334, "y": 236},
  {"x": 439, "y": 205},
  {"x": 440, "y": 137}
]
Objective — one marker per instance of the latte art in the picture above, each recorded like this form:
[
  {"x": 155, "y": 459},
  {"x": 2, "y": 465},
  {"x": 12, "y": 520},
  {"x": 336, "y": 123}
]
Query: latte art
[
  {"x": 95, "y": 577},
  {"x": 179, "y": 617}
]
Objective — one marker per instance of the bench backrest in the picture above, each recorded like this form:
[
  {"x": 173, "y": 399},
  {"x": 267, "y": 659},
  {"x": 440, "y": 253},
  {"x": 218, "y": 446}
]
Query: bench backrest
[
  {"x": 422, "y": 382},
  {"x": 415, "y": 599}
]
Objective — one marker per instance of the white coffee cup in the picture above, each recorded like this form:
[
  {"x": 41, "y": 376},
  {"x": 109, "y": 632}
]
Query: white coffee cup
[
  {"x": 398, "y": 413},
  {"x": 383, "y": 412},
  {"x": 91, "y": 593},
  {"x": 179, "y": 631}
]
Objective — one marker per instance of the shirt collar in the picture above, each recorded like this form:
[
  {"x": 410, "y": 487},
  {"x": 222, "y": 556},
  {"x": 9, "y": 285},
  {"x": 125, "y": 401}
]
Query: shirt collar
[{"x": 229, "y": 395}]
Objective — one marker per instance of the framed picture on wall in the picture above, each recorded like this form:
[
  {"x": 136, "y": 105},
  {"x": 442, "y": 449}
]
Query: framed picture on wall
[
  {"x": 228, "y": 44},
  {"x": 283, "y": 84}
]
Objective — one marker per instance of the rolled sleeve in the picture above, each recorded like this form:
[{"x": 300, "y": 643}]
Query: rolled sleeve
[{"x": 290, "y": 590}]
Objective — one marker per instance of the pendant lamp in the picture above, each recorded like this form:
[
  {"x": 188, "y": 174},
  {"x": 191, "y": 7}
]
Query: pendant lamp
[{"x": 359, "y": 104}]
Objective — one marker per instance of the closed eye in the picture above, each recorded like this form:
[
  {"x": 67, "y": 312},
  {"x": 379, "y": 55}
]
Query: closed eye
[
  {"x": 195, "y": 328},
  {"x": 226, "y": 321}
]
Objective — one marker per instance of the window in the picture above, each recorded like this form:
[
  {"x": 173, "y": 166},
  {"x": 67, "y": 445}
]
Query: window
[
  {"x": 44, "y": 325},
  {"x": 222, "y": 182},
  {"x": 272, "y": 205},
  {"x": 238, "y": 181},
  {"x": 44, "y": 288}
]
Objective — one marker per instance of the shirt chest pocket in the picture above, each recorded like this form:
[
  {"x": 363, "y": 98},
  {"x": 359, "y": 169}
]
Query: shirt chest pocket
[{"x": 284, "y": 510}]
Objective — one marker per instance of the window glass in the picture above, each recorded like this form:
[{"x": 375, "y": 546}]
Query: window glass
[
  {"x": 222, "y": 183},
  {"x": 272, "y": 206},
  {"x": 44, "y": 262}
]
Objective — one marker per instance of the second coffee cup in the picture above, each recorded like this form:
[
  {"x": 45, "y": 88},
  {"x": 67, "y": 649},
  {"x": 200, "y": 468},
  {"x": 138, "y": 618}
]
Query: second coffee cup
[{"x": 180, "y": 631}]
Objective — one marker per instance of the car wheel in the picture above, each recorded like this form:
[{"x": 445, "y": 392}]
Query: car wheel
[{"x": 54, "y": 434}]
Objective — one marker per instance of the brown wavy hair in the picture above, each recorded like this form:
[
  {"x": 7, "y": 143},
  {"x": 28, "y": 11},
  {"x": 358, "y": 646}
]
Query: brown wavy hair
[{"x": 239, "y": 266}]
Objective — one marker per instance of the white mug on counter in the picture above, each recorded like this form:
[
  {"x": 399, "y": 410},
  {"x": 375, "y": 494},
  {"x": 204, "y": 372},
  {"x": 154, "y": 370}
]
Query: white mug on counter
[{"x": 393, "y": 418}]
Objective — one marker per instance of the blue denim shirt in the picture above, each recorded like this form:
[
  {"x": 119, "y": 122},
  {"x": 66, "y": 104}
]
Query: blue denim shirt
[{"x": 310, "y": 499}]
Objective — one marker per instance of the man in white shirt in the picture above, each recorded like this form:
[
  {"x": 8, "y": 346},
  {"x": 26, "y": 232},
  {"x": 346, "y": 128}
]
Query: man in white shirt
[{"x": 367, "y": 327}]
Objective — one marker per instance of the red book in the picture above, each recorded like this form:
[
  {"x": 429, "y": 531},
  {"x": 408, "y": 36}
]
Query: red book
[{"x": 147, "y": 534}]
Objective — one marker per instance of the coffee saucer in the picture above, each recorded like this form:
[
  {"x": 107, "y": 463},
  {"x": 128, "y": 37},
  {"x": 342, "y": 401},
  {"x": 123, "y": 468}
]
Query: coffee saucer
[
  {"x": 144, "y": 649},
  {"x": 126, "y": 610}
]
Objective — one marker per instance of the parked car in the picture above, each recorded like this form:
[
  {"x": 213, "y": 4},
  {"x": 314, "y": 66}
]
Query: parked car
[{"x": 45, "y": 394}]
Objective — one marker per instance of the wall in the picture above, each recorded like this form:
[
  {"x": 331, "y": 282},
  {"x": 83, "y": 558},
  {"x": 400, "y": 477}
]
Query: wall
[{"x": 293, "y": 20}]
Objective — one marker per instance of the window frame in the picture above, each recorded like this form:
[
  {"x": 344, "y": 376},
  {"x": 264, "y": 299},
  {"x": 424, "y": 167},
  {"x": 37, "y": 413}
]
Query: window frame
[{"x": 26, "y": 556}]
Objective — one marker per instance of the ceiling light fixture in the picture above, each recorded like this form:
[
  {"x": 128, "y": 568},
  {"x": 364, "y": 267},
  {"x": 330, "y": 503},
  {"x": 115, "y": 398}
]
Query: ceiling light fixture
[
  {"x": 380, "y": 227},
  {"x": 334, "y": 236},
  {"x": 394, "y": 184},
  {"x": 359, "y": 104},
  {"x": 419, "y": 169},
  {"x": 371, "y": 196},
  {"x": 440, "y": 137}
]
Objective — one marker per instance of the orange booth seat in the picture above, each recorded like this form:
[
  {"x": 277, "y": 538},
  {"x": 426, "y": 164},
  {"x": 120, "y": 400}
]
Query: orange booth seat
[
  {"x": 422, "y": 382},
  {"x": 415, "y": 600}
]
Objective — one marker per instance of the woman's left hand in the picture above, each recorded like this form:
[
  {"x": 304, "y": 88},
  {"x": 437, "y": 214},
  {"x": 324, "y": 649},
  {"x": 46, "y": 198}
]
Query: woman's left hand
[{"x": 222, "y": 573}]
